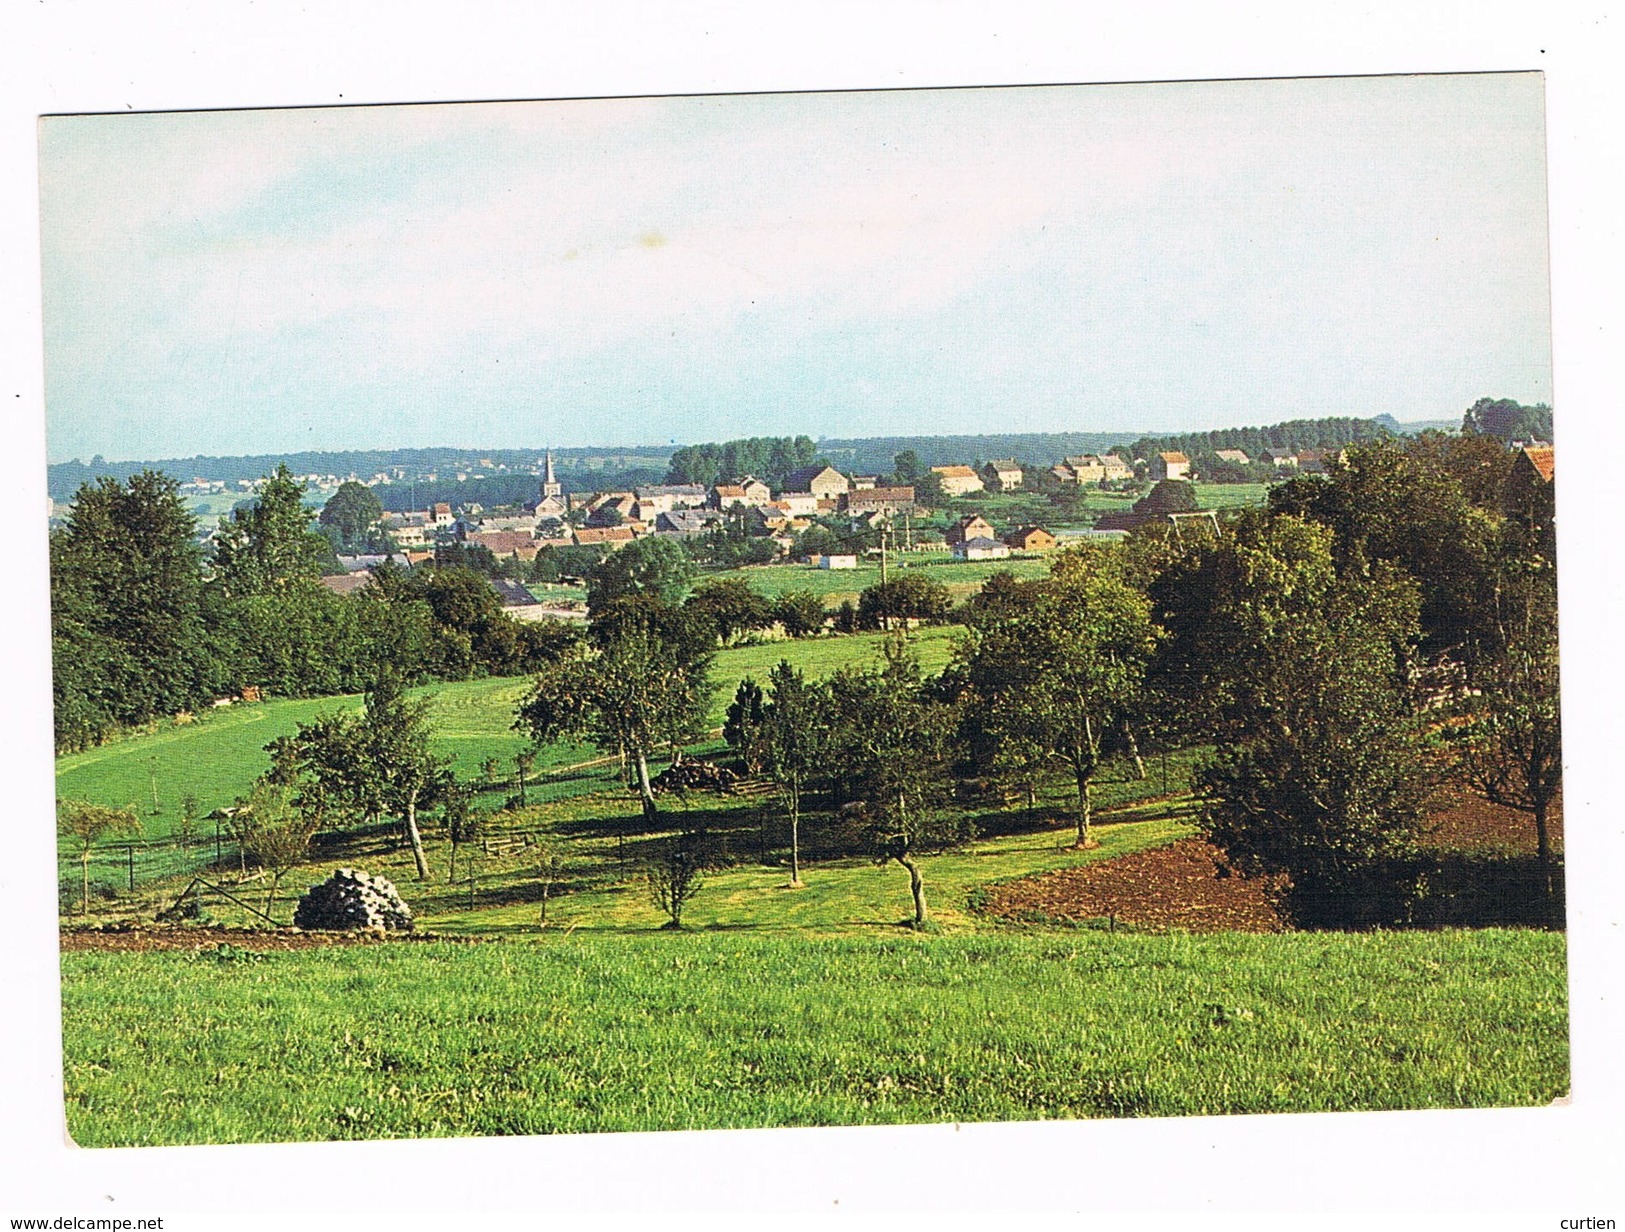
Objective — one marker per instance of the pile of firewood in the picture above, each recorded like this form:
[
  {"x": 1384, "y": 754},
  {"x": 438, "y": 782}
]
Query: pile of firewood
[{"x": 694, "y": 776}]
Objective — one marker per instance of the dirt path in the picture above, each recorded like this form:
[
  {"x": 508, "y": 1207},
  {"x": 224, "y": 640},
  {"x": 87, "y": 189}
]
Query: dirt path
[{"x": 141, "y": 939}]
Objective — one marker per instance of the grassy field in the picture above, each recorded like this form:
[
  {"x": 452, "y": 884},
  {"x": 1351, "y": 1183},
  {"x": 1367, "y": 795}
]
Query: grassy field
[
  {"x": 962, "y": 578},
  {"x": 217, "y": 757},
  {"x": 1230, "y": 495},
  {"x": 713, "y": 1030}
]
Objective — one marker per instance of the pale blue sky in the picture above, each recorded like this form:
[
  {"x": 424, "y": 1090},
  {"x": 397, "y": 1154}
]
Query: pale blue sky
[{"x": 1104, "y": 258}]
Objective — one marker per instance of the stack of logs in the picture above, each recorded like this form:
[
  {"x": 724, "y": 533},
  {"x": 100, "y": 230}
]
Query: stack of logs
[{"x": 694, "y": 776}]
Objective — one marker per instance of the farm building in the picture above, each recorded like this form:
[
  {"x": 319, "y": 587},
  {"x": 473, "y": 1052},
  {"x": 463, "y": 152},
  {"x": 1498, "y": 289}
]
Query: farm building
[
  {"x": 822, "y": 481},
  {"x": 1029, "y": 539},
  {"x": 1232, "y": 455},
  {"x": 971, "y": 526},
  {"x": 605, "y": 536},
  {"x": 1002, "y": 476},
  {"x": 512, "y": 593},
  {"x": 837, "y": 561},
  {"x": 879, "y": 500},
  {"x": 748, "y": 492},
  {"x": 1541, "y": 460},
  {"x": 501, "y": 543},
  {"x": 1172, "y": 465},
  {"x": 957, "y": 480},
  {"x": 981, "y": 548},
  {"x": 687, "y": 522}
]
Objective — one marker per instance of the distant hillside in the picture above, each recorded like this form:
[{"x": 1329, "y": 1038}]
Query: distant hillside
[
  {"x": 873, "y": 455},
  {"x": 506, "y": 475},
  {"x": 587, "y": 466}
]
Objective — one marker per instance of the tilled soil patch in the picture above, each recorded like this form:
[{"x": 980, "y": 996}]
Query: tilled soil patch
[
  {"x": 1463, "y": 821},
  {"x": 139, "y": 939},
  {"x": 1177, "y": 886}
]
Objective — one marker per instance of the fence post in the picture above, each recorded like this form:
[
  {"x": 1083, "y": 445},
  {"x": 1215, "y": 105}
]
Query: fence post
[
  {"x": 217, "y": 840},
  {"x": 129, "y": 859}
]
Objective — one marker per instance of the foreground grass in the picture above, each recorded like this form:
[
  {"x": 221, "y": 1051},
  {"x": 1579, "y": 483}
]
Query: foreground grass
[{"x": 711, "y": 1030}]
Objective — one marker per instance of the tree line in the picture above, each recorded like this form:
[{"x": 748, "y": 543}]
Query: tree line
[
  {"x": 146, "y": 625},
  {"x": 1334, "y": 651}
]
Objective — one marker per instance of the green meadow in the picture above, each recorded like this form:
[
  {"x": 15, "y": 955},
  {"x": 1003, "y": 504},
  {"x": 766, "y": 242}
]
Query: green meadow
[
  {"x": 219, "y": 755},
  {"x": 962, "y": 578},
  {"x": 576, "y": 1032}
]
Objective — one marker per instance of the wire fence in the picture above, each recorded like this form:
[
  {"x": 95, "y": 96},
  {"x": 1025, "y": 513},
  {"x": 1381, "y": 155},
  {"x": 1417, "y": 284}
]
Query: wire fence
[{"x": 124, "y": 867}]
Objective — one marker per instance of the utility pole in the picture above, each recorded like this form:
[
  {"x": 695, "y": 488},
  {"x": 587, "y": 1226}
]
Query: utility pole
[{"x": 885, "y": 614}]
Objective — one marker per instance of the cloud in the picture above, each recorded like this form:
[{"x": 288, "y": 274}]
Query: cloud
[{"x": 265, "y": 259}]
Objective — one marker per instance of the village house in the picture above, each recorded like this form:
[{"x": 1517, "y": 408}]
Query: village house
[
  {"x": 756, "y": 492},
  {"x": 1173, "y": 465},
  {"x": 505, "y": 544},
  {"x": 957, "y": 480},
  {"x": 1087, "y": 468},
  {"x": 605, "y": 536},
  {"x": 879, "y": 500},
  {"x": 773, "y": 519},
  {"x": 687, "y": 523},
  {"x": 862, "y": 483},
  {"x": 1280, "y": 459},
  {"x": 799, "y": 504},
  {"x": 1537, "y": 460},
  {"x": 346, "y": 583},
  {"x": 980, "y": 548},
  {"x": 612, "y": 509},
  {"x": 1029, "y": 539},
  {"x": 971, "y": 526},
  {"x": 359, "y": 562},
  {"x": 820, "y": 481},
  {"x": 441, "y": 515},
  {"x": 663, "y": 498},
  {"x": 1002, "y": 476},
  {"x": 518, "y": 521},
  {"x": 1232, "y": 455}
]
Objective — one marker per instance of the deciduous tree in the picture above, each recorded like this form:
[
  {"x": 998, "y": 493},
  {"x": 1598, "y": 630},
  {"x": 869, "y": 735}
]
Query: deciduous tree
[{"x": 84, "y": 824}]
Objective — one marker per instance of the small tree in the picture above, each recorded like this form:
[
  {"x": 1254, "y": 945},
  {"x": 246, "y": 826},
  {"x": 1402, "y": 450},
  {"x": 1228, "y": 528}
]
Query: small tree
[
  {"x": 673, "y": 880},
  {"x": 463, "y": 824},
  {"x": 190, "y": 812},
  {"x": 273, "y": 829},
  {"x": 490, "y": 768},
  {"x": 524, "y": 762},
  {"x": 549, "y": 869},
  {"x": 85, "y": 824},
  {"x": 1512, "y": 740},
  {"x": 896, "y": 847},
  {"x": 801, "y": 613},
  {"x": 794, "y": 737},
  {"x": 743, "y": 725}
]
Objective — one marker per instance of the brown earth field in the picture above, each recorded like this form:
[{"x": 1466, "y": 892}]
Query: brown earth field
[
  {"x": 1461, "y": 821},
  {"x": 1177, "y": 886},
  {"x": 1189, "y": 885}
]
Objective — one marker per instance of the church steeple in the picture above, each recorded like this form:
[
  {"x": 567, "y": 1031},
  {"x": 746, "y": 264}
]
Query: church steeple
[{"x": 550, "y": 484}]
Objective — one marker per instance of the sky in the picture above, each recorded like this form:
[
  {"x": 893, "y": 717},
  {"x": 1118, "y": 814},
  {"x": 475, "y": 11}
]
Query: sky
[{"x": 637, "y": 271}]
